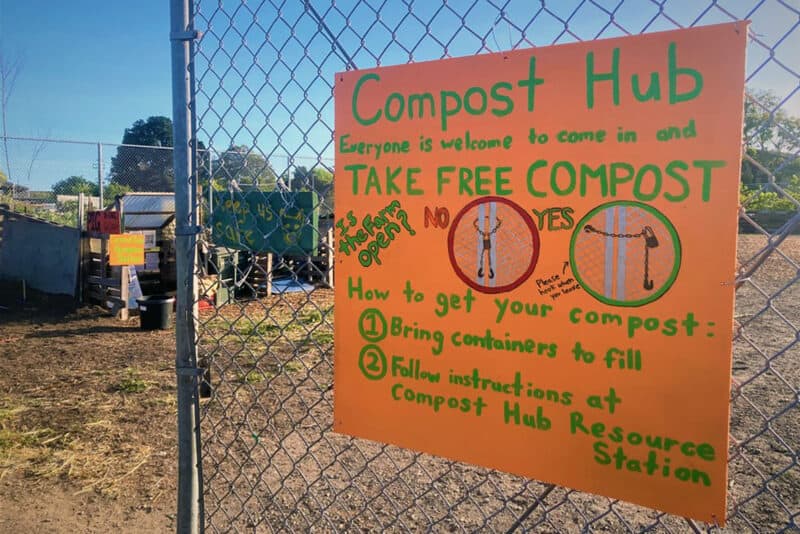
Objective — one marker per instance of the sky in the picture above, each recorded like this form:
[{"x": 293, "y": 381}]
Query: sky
[{"x": 90, "y": 68}]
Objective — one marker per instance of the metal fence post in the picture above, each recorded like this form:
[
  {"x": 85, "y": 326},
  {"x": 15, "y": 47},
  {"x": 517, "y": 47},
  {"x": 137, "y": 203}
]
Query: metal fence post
[
  {"x": 100, "y": 174},
  {"x": 188, "y": 516},
  {"x": 81, "y": 217}
]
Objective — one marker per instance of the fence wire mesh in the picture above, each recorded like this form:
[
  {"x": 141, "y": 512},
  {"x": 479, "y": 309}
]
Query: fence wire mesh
[
  {"x": 264, "y": 76},
  {"x": 45, "y": 176}
]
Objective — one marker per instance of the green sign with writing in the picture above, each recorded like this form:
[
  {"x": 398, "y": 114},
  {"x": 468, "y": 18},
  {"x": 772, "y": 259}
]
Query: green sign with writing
[{"x": 278, "y": 222}]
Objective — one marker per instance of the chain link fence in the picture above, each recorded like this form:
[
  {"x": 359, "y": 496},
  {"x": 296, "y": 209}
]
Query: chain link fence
[
  {"x": 263, "y": 81},
  {"x": 45, "y": 176},
  {"x": 42, "y": 178}
]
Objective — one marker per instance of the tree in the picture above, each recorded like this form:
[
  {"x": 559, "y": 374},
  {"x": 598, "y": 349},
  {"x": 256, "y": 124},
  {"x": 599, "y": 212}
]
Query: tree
[
  {"x": 772, "y": 139},
  {"x": 155, "y": 131},
  {"x": 319, "y": 180},
  {"x": 301, "y": 178},
  {"x": 145, "y": 169},
  {"x": 75, "y": 185},
  {"x": 767, "y": 126},
  {"x": 112, "y": 191},
  {"x": 242, "y": 167},
  {"x": 5, "y": 187},
  {"x": 9, "y": 70},
  {"x": 314, "y": 180},
  {"x": 772, "y": 144}
]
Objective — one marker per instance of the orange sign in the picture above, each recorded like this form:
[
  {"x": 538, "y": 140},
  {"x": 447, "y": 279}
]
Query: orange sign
[
  {"x": 126, "y": 249},
  {"x": 535, "y": 252}
]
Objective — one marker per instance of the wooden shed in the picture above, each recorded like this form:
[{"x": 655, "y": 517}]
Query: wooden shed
[{"x": 152, "y": 214}]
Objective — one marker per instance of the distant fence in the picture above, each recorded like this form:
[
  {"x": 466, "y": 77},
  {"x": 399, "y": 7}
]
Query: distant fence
[{"x": 40, "y": 170}]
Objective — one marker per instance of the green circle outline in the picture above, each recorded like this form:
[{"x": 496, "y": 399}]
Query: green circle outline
[
  {"x": 364, "y": 370},
  {"x": 675, "y": 242},
  {"x": 385, "y": 329}
]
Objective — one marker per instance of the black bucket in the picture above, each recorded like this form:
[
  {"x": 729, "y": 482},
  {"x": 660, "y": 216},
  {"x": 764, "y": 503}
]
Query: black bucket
[{"x": 155, "y": 311}]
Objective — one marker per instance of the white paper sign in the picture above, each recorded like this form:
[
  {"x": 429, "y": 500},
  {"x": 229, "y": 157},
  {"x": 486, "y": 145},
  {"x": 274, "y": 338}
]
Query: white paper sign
[
  {"x": 151, "y": 261},
  {"x": 134, "y": 289}
]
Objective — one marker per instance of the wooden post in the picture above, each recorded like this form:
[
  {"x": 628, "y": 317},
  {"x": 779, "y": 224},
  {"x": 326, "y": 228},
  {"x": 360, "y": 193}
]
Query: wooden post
[
  {"x": 268, "y": 283},
  {"x": 329, "y": 257},
  {"x": 120, "y": 206},
  {"x": 103, "y": 260},
  {"x": 124, "y": 282}
]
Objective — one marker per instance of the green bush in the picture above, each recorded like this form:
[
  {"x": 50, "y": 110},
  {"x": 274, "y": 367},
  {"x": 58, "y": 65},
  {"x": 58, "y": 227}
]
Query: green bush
[
  {"x": 766, "y": 199},
  {"x": 66, "y": 214}
]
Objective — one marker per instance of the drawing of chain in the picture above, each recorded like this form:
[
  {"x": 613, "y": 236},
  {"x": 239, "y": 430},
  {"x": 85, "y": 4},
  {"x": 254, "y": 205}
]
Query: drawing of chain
[
  {"x": 650, "y": 241},
  {"x": 487, "y": 246},
  {"x": 592, "y": 230}
]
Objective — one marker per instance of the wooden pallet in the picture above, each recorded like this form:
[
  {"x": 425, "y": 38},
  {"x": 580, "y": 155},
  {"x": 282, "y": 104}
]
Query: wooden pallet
[{"x": 103, "y": 284}]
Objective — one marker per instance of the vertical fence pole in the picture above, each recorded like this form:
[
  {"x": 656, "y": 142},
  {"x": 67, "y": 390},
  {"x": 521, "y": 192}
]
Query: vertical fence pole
[
  {"x": 81, "y": 218},
  {"x": 188, "y": 516},
  {"x": 100, "y": 175}
]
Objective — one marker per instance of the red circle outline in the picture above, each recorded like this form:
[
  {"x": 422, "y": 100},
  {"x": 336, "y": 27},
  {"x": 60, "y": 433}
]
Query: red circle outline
[{"x": 534, "y": 236}]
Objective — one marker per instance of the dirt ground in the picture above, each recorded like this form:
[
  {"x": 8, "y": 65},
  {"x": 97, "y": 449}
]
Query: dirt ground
[
  {"x": 87, "y": 420},
  {"x": 87, "y": 426}
]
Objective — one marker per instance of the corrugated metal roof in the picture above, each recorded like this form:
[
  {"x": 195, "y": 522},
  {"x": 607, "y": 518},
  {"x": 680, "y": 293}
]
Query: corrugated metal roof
[
  {"x": 147, "y": 211},
  {"x": 146, "y": 222},
  {"x": 152, "y": 203}
]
